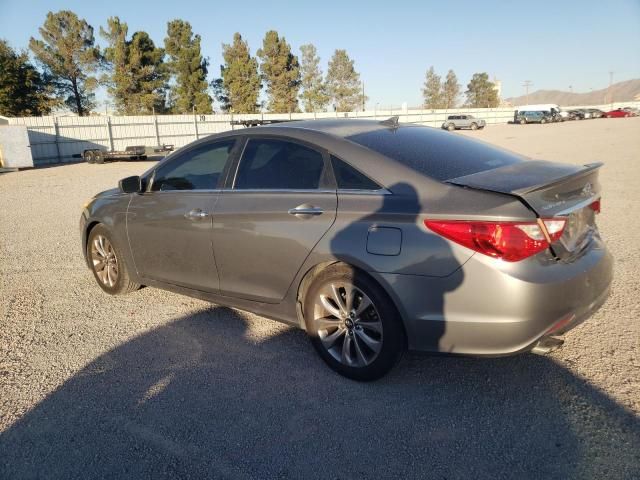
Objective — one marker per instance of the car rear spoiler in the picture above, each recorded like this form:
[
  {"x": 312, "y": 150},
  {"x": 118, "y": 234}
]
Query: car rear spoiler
[{"x": 548, "y": 188}]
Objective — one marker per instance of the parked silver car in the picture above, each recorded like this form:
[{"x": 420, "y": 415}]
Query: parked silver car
[
  {"x": 372, "y": 236},
  {"x": 457, "y": 122}
]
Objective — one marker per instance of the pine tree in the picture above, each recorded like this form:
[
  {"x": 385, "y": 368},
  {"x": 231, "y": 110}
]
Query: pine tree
[
  {"x": 450, "y": 90},
  {"x": 68, "y": 55},
  {"x": 189, "y": 69},
  {"x": 481, "y": 93},
  {"x": 281, "y": 73},
  {"x": 137, "y": 78},
  {"x": 116, "y": 54},
  {"x": 343, "y": 83},
  {"x": 314, "y": 94},
  {"x": 239, "y": 86},
  {"x": 149, "y": 73},
  {"x": 432, "y": 90},
  {"x": 22, "y": 89}
]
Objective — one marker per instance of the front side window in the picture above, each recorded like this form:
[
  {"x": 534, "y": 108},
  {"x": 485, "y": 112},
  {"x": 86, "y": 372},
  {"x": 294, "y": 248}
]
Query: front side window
[
  {"x": 197, "y": 169},
  {"x": 268, "y": 164}
]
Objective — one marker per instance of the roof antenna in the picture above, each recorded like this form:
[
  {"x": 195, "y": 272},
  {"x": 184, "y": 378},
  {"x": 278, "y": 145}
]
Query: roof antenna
[{"x": 391, "y": 122}]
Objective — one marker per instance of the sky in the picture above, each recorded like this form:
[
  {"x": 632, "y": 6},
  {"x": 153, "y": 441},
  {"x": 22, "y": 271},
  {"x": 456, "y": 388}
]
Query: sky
[{"x": 553, "y": 44}]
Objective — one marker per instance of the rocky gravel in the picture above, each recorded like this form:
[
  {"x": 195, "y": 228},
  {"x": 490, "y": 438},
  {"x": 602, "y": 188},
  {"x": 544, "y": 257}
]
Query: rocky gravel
[{"x": 157, "y": 385}]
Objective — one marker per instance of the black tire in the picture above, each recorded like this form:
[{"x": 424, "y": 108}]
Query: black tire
[
  {"x": 122, "y": 283},
  {"x": 473, "y": 126},
  {"x": 543, "y": 121},
  {"x": 451, "y": 127},
  {"x": 99, "y": 156},
  {"x": 522, "y": 121},
  {"x": 89, "y": 156},
  {"x": 392, "y": 340}
]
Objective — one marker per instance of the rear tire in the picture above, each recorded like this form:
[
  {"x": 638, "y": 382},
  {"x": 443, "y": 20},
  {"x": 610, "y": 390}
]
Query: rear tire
[
  {"x": 99, "y": 157},
  {"x": 108, "y": 264},
  {"x": 523, "y": 121},
  {"x": 543, "y": 121},
  {"x": 451, "y": 127},
  {"x": 89, "y": 157},
  {"x": 353, "y": 324}
]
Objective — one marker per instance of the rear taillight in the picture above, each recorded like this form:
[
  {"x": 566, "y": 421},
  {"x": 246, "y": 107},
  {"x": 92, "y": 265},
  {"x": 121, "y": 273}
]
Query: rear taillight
[
  {"x": 595, "y": 206},
  {"x": 509, "y": 241}
]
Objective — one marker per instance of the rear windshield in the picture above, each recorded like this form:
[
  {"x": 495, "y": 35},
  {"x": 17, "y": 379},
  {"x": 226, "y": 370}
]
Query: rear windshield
[{"x": 434, "y": 153}]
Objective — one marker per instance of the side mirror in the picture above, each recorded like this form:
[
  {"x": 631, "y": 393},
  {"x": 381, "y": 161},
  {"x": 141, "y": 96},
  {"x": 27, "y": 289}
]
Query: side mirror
[{"x": 130, "y": 184}]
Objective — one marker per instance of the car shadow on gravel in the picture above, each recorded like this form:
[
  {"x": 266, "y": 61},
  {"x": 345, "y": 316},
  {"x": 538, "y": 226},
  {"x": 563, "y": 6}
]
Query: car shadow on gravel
[{"x": 201, "y": 397}]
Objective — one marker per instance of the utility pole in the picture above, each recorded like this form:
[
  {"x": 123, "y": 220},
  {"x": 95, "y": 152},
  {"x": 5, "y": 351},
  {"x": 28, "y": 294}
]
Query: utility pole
[
  {"x": 609, "y": 93},
  {"x": 363, "y": 96},
  {"x": 526, "y": 85}
]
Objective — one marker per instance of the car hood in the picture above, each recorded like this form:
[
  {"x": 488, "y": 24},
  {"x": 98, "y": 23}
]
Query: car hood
[{"x": 109, "y": 193}]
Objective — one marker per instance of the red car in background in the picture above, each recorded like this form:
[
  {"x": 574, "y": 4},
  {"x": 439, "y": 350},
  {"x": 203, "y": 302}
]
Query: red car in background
[{"x": 617, "y": 113}]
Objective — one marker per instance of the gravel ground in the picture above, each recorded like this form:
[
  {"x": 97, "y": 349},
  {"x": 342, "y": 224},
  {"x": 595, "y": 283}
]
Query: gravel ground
[{"x": 157, "y": 385}]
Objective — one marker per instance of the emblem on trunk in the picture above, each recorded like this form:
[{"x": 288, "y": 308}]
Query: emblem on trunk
[{"x": 587, "y": 189}]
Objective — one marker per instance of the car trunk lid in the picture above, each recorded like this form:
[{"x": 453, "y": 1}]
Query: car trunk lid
[{"x": 551, "y": 190}]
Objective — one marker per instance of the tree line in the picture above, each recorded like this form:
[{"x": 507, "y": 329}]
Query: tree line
[
  {"x": 142, "y": 77},
  {"x": 480, "y": 93}
]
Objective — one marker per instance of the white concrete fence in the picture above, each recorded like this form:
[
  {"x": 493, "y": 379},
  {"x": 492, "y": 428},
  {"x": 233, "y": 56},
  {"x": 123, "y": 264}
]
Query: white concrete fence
[{"x": 59, "y": 139}]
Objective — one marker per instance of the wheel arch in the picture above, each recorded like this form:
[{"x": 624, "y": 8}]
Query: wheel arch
[
  {"x": 85, "y": 238},
  {"x": 313, "y": 272}
]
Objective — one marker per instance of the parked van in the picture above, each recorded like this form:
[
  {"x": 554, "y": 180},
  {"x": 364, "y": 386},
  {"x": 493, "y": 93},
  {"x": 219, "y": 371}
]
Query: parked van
[
  {"x": 534, "y": 116},
  {"x": 553, "y": 110}
]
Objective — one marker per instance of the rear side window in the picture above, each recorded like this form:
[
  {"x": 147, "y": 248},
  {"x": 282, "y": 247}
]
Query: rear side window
[
  {"x": 279, "y": 165},
  {"x": 348, "y": 178},
  {"x": 433, "y": 153},
  {"x": 197, "y": 169}
]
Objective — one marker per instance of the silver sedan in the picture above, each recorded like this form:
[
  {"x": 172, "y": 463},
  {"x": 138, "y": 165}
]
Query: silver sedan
[{"x": 374, "y": 237}]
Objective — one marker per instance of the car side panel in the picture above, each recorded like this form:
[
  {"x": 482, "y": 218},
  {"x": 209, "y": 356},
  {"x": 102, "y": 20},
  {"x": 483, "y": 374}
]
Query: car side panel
[{"x": 259, "y": 246}]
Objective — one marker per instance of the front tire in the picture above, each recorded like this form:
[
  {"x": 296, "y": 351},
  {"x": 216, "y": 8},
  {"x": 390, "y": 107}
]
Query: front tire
[
  {"x": 353, "y": 324},
  {"x": 474, "y": 126},
  {"x": 108, "y": 264}
]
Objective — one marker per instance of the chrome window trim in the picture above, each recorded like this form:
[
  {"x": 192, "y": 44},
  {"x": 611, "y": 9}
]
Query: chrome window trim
[
  {"x": 382, "y": 191},
  {"x": 276, "y": 190},
  {"x": 354, "y": 191},
  {"x": 204, "y": 190}
]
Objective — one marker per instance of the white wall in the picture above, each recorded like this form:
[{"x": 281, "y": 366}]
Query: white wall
[{"x": 57, "y": 139}]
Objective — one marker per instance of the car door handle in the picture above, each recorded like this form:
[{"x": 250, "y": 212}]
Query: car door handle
[
  {"x": 196, "y": 214},
  {"x": 305, "y": 210}
]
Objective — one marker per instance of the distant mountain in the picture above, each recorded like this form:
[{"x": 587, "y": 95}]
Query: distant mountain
[{"x": 627, "y": 91}]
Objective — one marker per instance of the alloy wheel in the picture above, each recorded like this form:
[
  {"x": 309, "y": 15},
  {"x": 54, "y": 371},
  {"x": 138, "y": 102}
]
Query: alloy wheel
[
  {"x": 348, "y": 324},
  {"x": 104, "y": 260}
]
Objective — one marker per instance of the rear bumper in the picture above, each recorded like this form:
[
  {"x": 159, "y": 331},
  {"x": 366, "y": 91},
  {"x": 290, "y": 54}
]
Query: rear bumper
[{"x": 488, "y": 307}]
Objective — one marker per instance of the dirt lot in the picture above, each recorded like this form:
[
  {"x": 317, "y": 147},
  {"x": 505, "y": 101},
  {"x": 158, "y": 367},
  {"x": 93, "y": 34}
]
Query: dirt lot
[{"x": 159, "y": 385}]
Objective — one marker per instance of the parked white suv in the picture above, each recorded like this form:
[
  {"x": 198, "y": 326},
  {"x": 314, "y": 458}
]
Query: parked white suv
[{"x": 456, "y": 122}]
